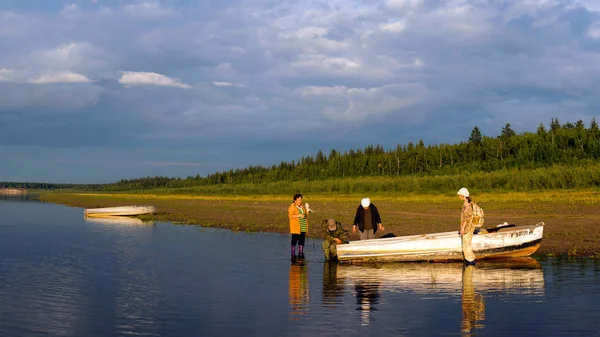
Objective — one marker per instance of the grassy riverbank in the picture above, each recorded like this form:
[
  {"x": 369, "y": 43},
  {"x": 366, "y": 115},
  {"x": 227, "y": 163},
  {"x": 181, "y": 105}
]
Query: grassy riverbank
[{"x": 571, "y": 217}]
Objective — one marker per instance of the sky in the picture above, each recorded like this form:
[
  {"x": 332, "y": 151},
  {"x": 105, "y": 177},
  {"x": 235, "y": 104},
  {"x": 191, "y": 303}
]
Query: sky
[{"x": 94, "y": 91}]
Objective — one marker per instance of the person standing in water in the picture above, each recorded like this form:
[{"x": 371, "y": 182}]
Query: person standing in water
[
  {"x": 466, "y": 226},
  {"x": 297, "y": 214}
]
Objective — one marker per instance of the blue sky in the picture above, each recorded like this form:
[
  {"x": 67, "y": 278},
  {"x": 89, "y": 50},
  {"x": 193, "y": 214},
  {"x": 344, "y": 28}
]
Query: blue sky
[{"x": 94, "y": 91}]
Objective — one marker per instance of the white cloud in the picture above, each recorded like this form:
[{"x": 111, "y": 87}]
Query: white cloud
[
  {"x": 76, "y": 56},
  {"x": 4, "y": 73},
  {"x": 355, "y": 105},
  {"x": 394, "y": 27},
  {"x": 59, "y": 77},
  {"x": 403, "y": 4},
  {"x": 149, "y": 10},
  {"x": 227, "y": 84},
  {"x": 130, "y": 78},
  {"x": 223, "y": 84},
  {"x": 594, "y": 31}
]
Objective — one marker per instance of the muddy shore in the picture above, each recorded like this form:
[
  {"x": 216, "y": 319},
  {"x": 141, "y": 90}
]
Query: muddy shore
[{"x": 572, "y": 218}]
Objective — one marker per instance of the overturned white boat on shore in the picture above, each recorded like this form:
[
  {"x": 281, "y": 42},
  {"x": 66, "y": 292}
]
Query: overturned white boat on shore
[
  {"x": 120, "y": 211},
  {"x": 498, "y": 242}
]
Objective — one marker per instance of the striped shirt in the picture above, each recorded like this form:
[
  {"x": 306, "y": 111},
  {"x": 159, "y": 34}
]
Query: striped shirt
[{"x": 302, "y": 220}]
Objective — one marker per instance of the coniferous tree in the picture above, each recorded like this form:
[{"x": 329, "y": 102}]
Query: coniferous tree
[
  {"x": 507, "y": 131},
  {"x": 475, "y": 137}
]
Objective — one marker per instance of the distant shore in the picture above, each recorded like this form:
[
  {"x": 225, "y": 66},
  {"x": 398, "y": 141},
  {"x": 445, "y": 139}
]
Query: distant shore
[{"x": 571, "y": 217}]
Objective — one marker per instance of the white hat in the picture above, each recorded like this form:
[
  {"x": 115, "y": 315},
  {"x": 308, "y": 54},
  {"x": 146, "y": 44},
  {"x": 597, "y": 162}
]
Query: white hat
[
  {"x": 365, "y": 202},
  {"x": 463, "y": 191}
]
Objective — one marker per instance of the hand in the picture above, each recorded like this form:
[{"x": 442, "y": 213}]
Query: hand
[
  {"x": 301, "y": 216},
  {"x": 353, "y": 229},
  {"x": 462, "y": 232},
  {"x": 338, "y": 241},
  {"x": 381, "y": 227}
]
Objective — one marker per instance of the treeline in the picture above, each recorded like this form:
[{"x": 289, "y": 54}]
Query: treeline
[
  {"x": 555, "y": 177},
  {"x": 40, "y": 186},
  {"x": 558, "y": 145}
]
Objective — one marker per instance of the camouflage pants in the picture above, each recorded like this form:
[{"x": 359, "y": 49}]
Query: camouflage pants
[
  {"x": 329, "y": 249},
  {"x": 466, "y": 246}
]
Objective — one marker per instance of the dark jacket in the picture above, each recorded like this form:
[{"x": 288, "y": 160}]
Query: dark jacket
[{"x": 359, "y": 219}]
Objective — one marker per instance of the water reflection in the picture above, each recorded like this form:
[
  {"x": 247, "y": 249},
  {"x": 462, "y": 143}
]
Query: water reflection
[
  {"x": 298, "y": 290},
  {"x": 367, "y": 298},
  {"x": 117, "y": 220},
  {"x": 517, "y": 275},
  {"x": 333, "y": 287},
  {"x": 473, "y": 304},
  {"x": 514, "y": 276}
]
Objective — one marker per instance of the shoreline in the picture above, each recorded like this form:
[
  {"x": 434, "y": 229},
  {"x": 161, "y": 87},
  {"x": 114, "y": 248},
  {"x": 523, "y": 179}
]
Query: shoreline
[{"x": 571, "y": 217}]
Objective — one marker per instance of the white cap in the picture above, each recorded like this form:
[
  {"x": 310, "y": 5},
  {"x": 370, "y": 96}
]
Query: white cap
[
  {"x": 463, "y": 191},
  {"x": 365, "y": 202}
]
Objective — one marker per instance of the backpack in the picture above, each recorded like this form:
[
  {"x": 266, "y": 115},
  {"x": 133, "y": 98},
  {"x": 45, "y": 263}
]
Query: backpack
[{"x": 477, "y": 218}]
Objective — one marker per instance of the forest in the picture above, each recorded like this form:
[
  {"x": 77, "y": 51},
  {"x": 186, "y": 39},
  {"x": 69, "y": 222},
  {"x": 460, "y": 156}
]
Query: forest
[
  {"x": 550, "y": 157},
  {"x": 558, "y": 156}
]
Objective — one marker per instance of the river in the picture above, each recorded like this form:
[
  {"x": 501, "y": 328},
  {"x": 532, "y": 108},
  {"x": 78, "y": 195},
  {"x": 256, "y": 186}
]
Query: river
[{"x": 61, "y": 275}]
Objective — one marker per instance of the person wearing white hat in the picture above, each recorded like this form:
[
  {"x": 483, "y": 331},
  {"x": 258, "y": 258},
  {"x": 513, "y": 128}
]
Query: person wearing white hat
[
  {"x": 367, "y": 220},
  {"x": 466, "y": 226}
]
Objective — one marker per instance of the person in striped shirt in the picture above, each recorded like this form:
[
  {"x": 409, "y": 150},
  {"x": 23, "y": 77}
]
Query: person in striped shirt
[{"x": 297, "y": 214}]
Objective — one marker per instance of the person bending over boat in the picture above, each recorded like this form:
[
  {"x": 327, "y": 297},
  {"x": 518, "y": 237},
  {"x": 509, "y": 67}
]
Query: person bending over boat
[
  {"x": 334, "y": 235},
  {"x": 367, "y": 220},
  {"x": 297, "y": 214},
  {"x": 466, "y": 226}
]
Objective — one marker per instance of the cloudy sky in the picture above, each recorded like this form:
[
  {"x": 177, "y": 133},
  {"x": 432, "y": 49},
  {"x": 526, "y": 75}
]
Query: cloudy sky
[{"x": 94, "y": 91}]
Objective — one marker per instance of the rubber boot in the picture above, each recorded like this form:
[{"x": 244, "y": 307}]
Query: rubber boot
[
  {"x": 293, "y": 253},
  {"x": 301, "y": 252}
]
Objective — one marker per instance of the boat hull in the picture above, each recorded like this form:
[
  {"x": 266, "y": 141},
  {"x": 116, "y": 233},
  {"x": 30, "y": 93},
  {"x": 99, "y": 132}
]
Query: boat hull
[
  {"x": 510, "y": 242},
  {"x": 120, "y": 211}
]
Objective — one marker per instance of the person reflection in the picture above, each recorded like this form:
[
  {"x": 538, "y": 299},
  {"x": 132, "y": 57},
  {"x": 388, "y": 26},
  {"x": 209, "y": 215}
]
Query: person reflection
[
  {"x": 473, "y": 305},
  {"x": 333, "y": 289},
  {"x": 367, "y": 298},
  {"x": 298, "y": 290}
]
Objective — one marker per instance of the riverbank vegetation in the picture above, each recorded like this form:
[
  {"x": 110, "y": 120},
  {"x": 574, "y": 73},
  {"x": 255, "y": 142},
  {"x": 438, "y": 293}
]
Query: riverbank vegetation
[
  {"x": 571, "y": 217},
  {"x": 552, "y": 175}
]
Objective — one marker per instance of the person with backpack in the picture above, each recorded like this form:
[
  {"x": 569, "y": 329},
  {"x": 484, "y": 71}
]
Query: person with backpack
[{"x": 471, "y": 217}]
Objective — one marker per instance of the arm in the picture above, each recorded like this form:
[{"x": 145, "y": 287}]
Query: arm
[
  {"x": 356, "y": 220},
  {"x": 342, "y": 236},
  {"x": 377, "y": 218},
  {"x": 293, "y": 212}
]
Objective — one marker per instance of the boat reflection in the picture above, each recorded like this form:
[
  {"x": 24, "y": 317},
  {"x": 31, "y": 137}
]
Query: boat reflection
[
  {"x": 499, "y": 277},
  {"x": 117, "y": 220},
  {"x": 298, "y": 290},
  {"x": 515, "y": 275}
]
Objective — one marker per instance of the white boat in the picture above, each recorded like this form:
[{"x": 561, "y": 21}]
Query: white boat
[
  {"x": 498, "y": 242},
  {"x": 120, "y": 210}
]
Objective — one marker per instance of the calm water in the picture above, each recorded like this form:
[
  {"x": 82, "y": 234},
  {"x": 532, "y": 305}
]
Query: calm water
[{"x": 63, "y": 276}]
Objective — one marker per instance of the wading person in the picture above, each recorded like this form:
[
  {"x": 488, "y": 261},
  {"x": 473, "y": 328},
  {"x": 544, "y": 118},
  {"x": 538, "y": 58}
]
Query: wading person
[
  {"x": 466, "y": 226},
  {"x": 298, "y": 226},
  {"x": 367, "y": 220},
  {"x": 334, "y": 235}
]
